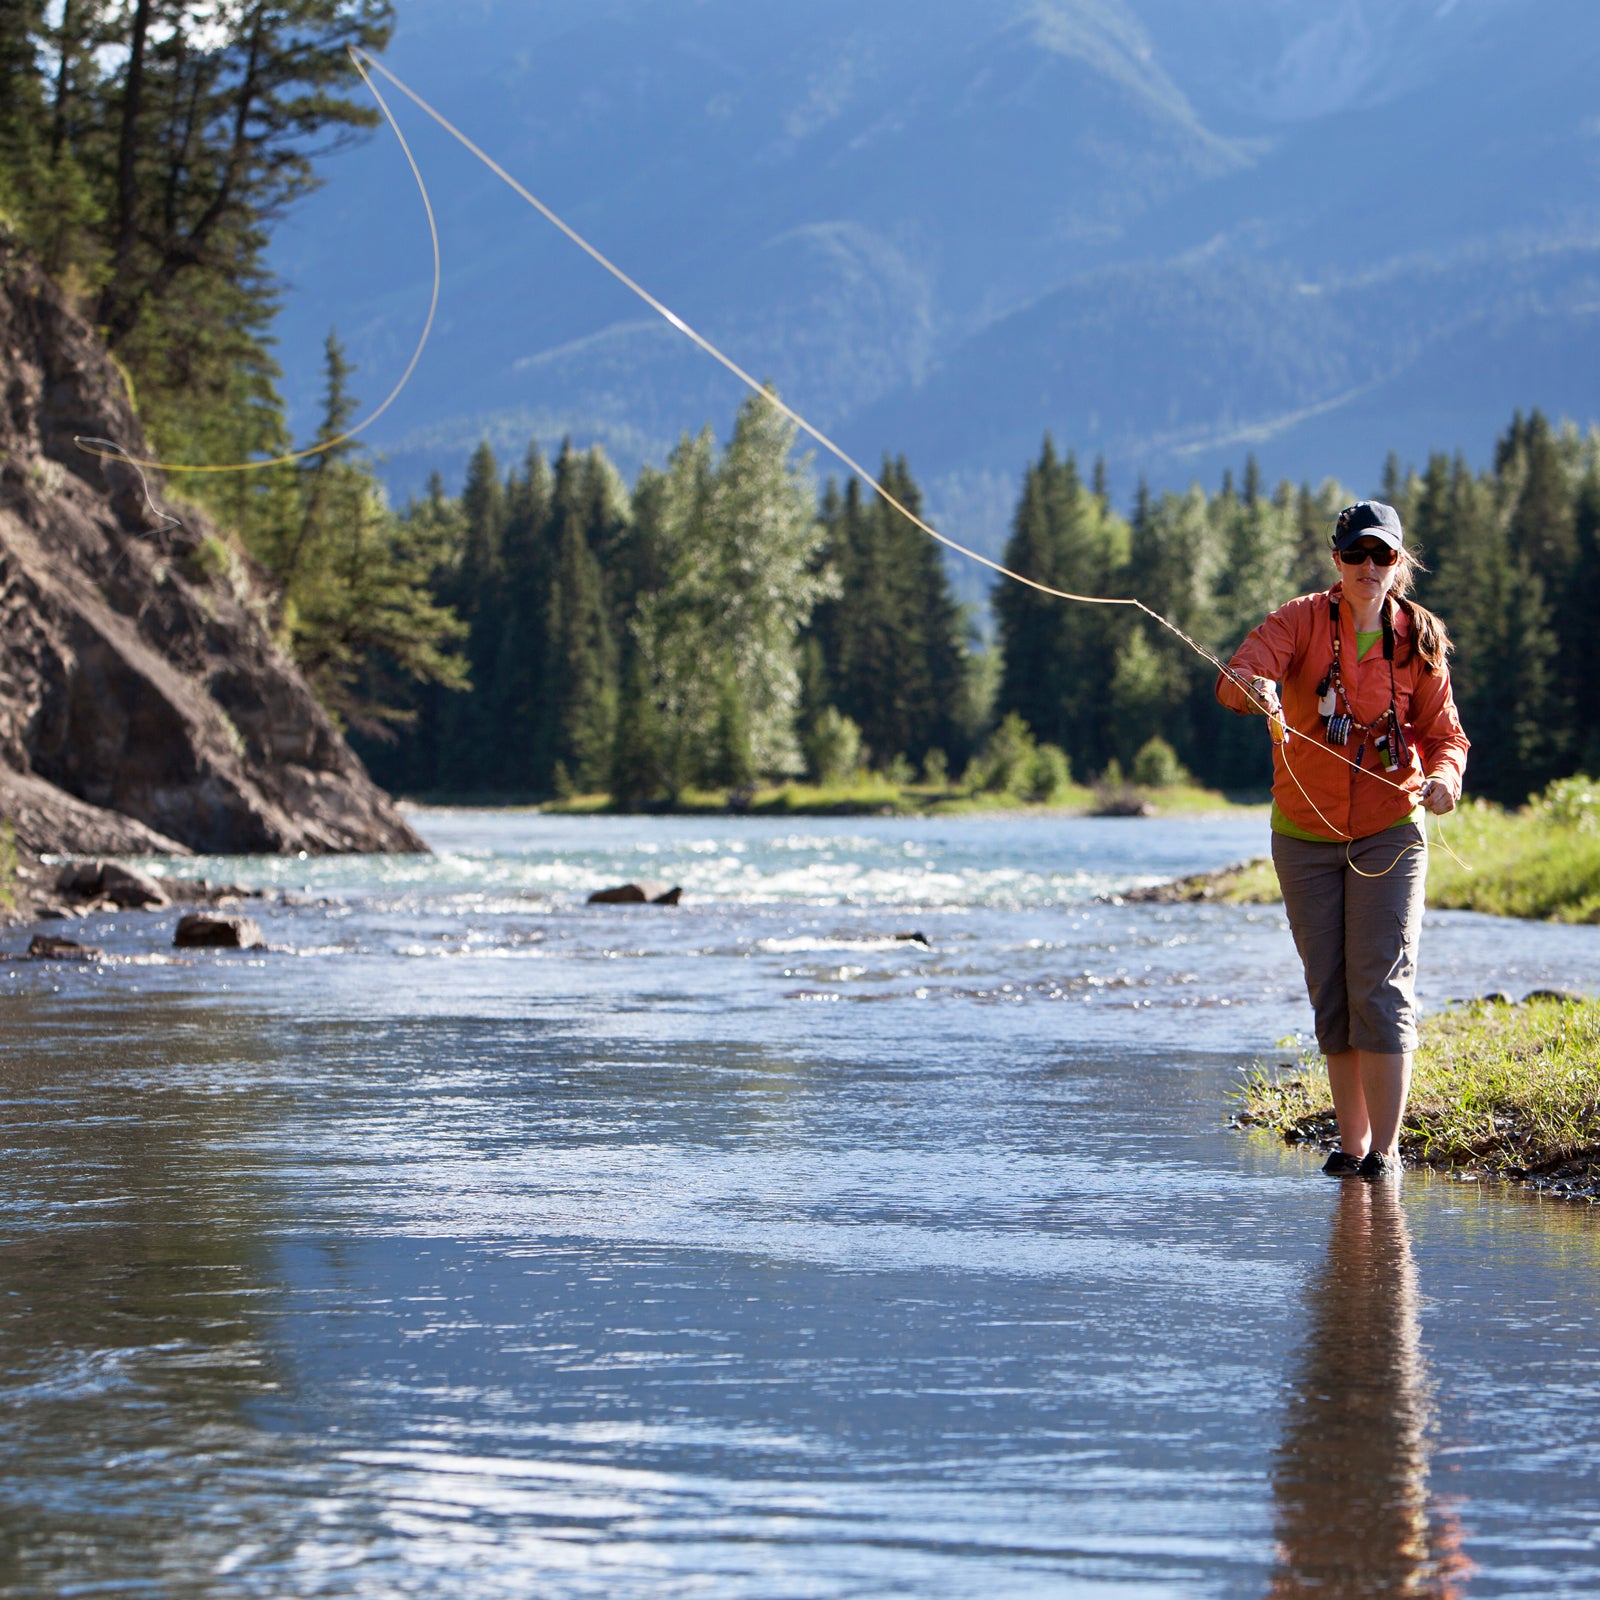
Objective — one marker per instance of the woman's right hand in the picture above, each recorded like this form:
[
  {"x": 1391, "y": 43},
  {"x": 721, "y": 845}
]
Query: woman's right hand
[{"x": 1264, "y": 698}]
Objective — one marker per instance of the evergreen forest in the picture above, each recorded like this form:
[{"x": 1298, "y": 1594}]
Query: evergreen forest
[
  {"x": 549, "y": 629},
  {"x": 722, "y": 623}
]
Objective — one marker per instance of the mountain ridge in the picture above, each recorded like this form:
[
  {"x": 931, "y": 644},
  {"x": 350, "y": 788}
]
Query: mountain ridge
[{"x": 867, "y": 207}]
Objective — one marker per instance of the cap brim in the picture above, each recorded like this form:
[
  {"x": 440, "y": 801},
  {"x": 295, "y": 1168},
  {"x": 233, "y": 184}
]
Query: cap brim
[{"x": 1377, "y": 531}]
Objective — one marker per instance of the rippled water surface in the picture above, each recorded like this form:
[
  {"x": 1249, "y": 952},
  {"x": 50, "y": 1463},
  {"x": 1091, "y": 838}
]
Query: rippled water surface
[{"x": 474, "y": 1241}]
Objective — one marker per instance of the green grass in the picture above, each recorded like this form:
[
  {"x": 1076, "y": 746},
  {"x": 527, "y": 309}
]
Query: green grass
[
  {"x": 1254, "y": 884},
  {"x": 1512, "y": 1088},
  {"x": 8, "y": 867},
  {"x": 1526, "y": 863},
  {"x": 873, "y": 794},
  {"x": 1541, "y": 862}
]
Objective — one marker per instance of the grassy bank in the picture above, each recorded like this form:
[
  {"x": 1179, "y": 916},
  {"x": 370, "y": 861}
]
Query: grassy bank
[
  {"x": 1542, "y": 861},
  {"x": 1510, "y": 1089},
  {"x": 875, "y": 795}
]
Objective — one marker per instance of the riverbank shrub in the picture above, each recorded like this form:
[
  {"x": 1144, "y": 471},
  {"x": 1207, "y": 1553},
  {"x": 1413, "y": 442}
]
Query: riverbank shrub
[
  {"x": 1013, "y": 762},
  {"x": 1157, "y": 766},
  {"x": 1050, "y": 775},
  {"x": 1004, "y": 762},
  {"x": 832, "y": 747}
]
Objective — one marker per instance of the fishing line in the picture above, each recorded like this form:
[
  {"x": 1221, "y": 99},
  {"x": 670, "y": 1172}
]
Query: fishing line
[
  {"x": 366, "y": 65},
  {"x": 837, "y": 451},
  {"x": 110, "y": 450},
  {"x": 105, "y": 449}
]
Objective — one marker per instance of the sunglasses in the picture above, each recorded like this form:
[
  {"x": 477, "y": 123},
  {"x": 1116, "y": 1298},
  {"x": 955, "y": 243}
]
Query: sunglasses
[{"x": 1380, "y": 555}]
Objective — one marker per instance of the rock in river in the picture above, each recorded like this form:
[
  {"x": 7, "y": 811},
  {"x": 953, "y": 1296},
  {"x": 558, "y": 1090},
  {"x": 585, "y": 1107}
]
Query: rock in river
[
  {"x": 44, "y": 947},
  {"x": 225, "y": 933},
  {"x": 110, "y": 880},
  {"x": 638, "y": 894}
]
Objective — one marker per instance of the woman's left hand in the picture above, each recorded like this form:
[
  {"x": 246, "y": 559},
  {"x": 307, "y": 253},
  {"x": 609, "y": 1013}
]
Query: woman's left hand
[{"x": 1436, "y": 795}]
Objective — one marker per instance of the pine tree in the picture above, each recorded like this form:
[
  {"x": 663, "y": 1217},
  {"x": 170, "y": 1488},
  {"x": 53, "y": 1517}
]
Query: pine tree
[
  {"x": 325, "y": 479},
  {"x": 1059, "y": 656},
  {"x": 892, "y": 646},
  {"x": 23, "y": 122},
  {"x": 356, "y": 608},
  {"x": 518, "y": 685},
  {"x": 212, "y": 138},
  {"x": 1585, "y": 600},
  {"x": 1540, "y": 486},
  {"x": 1430, "y": 531},
  {"x": 577, "y": 721},
  {"x": 470, "y": 750},
  {"x": 416, "y": 760},
  {"x": 640, "y": 775},
  {"x": 1030, "y": 645},
  {"x": 483, "y": 503},
  {"x": 934, "y": 655},
  {"x": 1393, "y": 491},
  {"x": 1495, "y": 607}
]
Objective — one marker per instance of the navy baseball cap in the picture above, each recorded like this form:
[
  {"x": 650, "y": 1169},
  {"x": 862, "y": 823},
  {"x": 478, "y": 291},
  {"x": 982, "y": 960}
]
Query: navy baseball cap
[{"x": 1368, "y": 516}]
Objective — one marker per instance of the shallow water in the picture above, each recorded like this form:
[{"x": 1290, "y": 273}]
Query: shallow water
[{"x": 476, "y": 1241}]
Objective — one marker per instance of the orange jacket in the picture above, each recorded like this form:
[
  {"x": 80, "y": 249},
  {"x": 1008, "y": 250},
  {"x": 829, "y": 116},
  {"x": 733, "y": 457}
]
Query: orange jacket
[{"x": 1314, "y": 789}]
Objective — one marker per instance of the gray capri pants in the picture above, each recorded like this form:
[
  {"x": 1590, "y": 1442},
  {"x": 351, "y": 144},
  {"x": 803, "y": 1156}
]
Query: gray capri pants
[{"x": 1357, "y": 936}]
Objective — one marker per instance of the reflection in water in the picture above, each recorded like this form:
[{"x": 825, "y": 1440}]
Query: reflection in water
[
  {"x": 135, "y": 1287},
  {"x": 474, "y": 1242},
  {"x": 1351, "y": 1476}
]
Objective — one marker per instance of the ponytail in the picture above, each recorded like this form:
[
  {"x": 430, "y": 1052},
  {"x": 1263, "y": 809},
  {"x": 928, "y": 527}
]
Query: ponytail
[{"x": 1429, "y": 637}]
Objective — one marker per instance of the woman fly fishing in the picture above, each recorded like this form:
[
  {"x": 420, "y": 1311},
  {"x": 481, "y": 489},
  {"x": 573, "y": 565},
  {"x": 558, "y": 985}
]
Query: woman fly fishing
[{"x": 1366, "y": 737}]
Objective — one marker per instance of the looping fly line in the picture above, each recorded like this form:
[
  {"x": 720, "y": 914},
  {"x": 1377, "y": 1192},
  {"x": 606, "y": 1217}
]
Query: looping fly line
[
  {"x": 366, "y": 65},
  {"x": 106, "y": 450}
]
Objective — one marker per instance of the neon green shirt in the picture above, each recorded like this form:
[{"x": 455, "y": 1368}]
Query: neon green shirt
[{"x": 1293, "y": 830}]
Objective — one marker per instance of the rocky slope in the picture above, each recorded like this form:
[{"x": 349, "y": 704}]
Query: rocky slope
[{"x": 143, "y": 703}]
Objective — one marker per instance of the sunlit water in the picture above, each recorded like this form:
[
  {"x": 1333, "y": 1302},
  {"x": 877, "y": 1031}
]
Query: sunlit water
[{"x": 474, "y": 1241}]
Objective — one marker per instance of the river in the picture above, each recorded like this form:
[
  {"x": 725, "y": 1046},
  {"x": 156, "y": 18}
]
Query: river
[{"x": 475, "y": 1241}]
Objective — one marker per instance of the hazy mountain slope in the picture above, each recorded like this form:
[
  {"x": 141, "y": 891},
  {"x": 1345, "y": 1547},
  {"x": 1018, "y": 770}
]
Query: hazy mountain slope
[
  {"x": 1161, "y": 230},
  {"x": 908, "y": 177}
]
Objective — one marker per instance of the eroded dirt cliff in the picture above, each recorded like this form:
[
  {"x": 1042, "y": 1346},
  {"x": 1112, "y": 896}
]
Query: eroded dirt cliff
[{"x": 143, "y": 703}]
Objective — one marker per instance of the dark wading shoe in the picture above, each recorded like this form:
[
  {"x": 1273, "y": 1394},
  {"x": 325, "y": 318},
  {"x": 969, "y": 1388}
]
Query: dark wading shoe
[
  {"x": 1377, "y": 1164},
  {"x": 1341, "y": 1164}
]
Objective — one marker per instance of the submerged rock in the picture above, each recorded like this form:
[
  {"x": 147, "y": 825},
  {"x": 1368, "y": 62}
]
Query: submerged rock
[
  {"x": 638, "y": 894},
  {"x": 46, "y": 947},
  {"x": 124, "y": 886},
  {"x": 1122, "y": 803},
  {"x": 200, "y": 930},
  {"x": 202, "y": 892}
]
